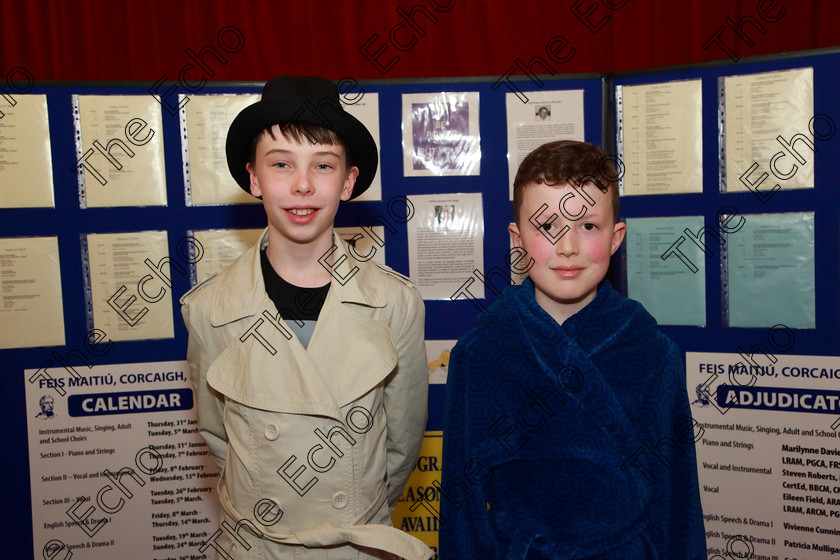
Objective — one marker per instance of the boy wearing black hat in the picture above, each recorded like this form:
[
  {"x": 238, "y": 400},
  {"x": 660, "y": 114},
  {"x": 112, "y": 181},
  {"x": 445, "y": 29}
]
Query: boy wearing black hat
[{"x": 308, "y": 362}]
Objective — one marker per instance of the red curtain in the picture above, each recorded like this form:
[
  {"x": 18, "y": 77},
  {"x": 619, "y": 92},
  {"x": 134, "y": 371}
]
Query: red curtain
[{"x": 147, "y": 39}]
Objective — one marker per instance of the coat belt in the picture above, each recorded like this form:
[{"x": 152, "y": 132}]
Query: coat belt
[{"x": 379, "y": 537}]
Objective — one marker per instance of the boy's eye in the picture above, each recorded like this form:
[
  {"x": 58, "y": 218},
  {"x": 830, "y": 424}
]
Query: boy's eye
[
  {"x": 324, "y": 166},
  {"x": 589, "y": 226},
  {"x": 280, "y": 164},
  {"x": 549, "y": 226}
]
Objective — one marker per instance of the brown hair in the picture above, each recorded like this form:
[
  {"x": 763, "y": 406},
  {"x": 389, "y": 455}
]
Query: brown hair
[
  {"x": 302, "y": 133},
  {"x": 557, "y": 162}
]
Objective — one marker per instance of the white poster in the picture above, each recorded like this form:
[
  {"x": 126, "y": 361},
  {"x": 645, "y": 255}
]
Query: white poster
[
  {"x": 26, "y": 179},
  {"x": 119, "y": 150},
  {"x": 546, "y": 117},
  {"x": 768, "y": 453},
  {"x": 661, "y": 137},
  {"x": 767, "y": 133},
  {"x": 446, "y": 245},
  {"x": 117, "y": 468},
  {"x": 221, "y": 247},
  {"x": 205, "y": 121},
  {"x": 130, "y": 284},
  {"x": 31, "y": 307}
]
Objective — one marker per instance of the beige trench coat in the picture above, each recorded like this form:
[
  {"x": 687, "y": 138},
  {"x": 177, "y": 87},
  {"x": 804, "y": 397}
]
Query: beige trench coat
[{"x": 314, "y": 445}]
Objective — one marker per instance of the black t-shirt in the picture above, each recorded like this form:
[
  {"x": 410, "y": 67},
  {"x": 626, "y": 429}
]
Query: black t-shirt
[{"x": 300, "y": 307}]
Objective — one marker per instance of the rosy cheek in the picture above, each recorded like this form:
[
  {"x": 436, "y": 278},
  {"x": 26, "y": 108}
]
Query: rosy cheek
[
  {"x": 538, "y": 246},
  {"x": 598, "y": 251}
]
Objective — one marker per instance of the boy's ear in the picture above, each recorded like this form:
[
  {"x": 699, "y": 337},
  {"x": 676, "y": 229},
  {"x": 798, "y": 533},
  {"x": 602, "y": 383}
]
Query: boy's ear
[
  {"x": 255, "y": 186},
  {"x": 349, "y": 183},
  {"x": 513, "y": 229},
  {"x": 619, "y": 231}
]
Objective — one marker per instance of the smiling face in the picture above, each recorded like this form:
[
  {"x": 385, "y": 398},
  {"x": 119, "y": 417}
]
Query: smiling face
[
  {"x": 301, "y": 184},
  {"x": 571, "y": 257}
]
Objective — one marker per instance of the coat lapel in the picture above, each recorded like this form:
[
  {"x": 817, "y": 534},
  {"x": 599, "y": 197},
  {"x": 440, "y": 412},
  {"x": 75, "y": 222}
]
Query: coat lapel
[
  {"x": 349, "y": 354},
  {"x": 353, "y": 352}
]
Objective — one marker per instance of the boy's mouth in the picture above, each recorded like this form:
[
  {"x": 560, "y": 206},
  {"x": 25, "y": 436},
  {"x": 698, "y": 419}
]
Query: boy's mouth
[
  {"x": 302, "y": 216},
  {"x": 568, "y": 271}
]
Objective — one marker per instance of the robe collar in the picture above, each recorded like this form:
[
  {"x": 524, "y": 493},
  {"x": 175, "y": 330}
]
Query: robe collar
[{"x": 609, "y": 317}]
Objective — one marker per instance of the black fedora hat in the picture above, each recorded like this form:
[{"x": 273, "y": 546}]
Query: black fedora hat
[{"x": 306, "y": 100}]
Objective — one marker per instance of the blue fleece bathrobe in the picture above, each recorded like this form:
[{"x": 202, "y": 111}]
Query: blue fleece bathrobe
[{"x": 567, "y": 442}]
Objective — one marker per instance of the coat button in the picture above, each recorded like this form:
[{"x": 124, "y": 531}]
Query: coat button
[
  {"x": 339, "y": 500},
  {"x": 272, "y": 432}
]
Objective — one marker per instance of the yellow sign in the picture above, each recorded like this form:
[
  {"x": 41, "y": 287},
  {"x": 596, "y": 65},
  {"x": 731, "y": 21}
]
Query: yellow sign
[{"x": 417, "y": 511}]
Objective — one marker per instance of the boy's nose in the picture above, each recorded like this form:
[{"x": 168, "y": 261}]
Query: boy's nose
[
  {"x": 567, "y": 245},
  {"x": 303, "y": 183}
]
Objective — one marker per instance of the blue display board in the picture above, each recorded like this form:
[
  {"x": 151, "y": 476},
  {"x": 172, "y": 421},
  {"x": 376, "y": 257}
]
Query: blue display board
[
  {"x": 70, "y": 223},
  {"x": 823, "y": 200},
  {"x": 444, "y": 319}
]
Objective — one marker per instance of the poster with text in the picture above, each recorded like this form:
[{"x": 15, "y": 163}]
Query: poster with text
[
  {"x": 220, "y": 248},
  {"x": 128, "y": 284},
  {"x": 767, "y": 137},
  {"x": 205, "y": 121},
  {"x": 26, "y": 179},
  {"x": 31, "y": 306},
  {"x": 117, "y": 467},
  {"x": 418, "y": 510},
  {"x": 770, "y": 258},
  {"x": 768, "y": 453},
  {"x": 119, "y": 150},
  {"x": 446, "y": 245},
  {"x": 547, "y": 116},
  {"x": 661, "y": 137},
  {"x": 673, "y": 288}
]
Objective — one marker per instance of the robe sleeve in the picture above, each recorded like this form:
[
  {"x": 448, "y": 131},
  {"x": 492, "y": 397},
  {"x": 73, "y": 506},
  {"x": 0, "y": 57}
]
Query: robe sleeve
[
  {"x": 406, "y": 392},
  {"x": 676, "y": 515},
  {"x": 465, "y": 527}
]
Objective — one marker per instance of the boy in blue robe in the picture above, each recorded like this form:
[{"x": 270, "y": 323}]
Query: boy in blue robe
[{"x": 567, "y": 432}]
